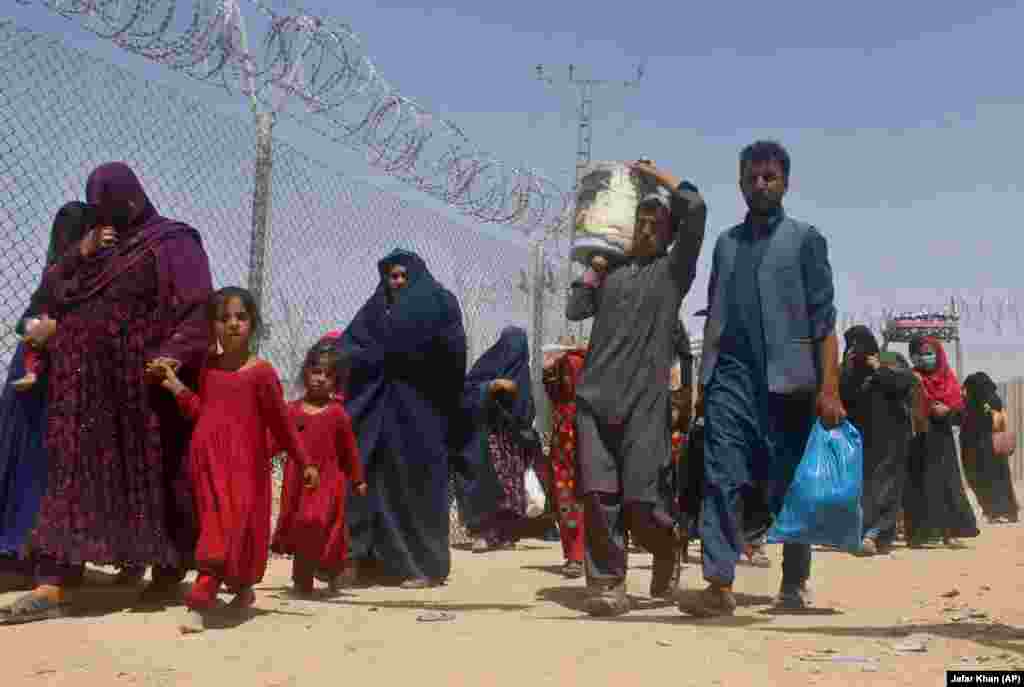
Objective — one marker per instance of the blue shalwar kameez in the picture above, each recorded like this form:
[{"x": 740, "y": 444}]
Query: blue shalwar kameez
[{"x": 754, "y": 439}]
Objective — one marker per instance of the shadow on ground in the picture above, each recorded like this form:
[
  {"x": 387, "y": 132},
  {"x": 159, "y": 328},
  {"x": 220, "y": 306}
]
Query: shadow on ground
[
  {"x": 550, "y": 569},
  {"x": 994, "y": 636},
  {"x": 574, "y": 598},
  {"x": 433, "y": 606}
]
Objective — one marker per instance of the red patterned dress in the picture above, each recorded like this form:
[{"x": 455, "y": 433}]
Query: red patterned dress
[{"x": 560, "y": 381}]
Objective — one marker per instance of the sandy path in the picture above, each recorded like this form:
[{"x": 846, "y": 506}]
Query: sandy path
[{"x": 517, "y": 624}]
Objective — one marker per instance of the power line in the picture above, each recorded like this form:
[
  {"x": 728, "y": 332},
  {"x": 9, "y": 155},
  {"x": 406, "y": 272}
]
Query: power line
[
  {"x": 315, "y": 70},
  {"x": 584, "y": 133}
]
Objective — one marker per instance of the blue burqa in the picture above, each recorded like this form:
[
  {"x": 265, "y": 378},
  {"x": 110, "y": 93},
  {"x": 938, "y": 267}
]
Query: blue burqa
[
  {"x": 23, "y": 461},
  {"x": 478, "y": 487},
  {"x": 407, "y": 364}
]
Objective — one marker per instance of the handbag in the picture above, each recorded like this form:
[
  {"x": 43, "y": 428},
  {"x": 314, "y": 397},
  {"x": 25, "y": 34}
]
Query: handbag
[{"x": 1004, "y": 443}]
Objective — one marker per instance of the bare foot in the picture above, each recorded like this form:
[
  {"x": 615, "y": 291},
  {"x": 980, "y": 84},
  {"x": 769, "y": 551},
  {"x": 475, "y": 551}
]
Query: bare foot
[{"x": 192, "y": 623}]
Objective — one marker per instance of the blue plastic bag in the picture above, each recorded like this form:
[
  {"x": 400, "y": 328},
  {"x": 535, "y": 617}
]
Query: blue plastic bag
[{"x": 823, "y": 504}]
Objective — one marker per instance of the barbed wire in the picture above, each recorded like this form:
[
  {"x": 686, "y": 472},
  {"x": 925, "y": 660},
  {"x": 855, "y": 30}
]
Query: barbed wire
[
  {"x": 980, "y": 313},
  {"x": 327, "y": 230},
  {"x": 314, "y": 70}
]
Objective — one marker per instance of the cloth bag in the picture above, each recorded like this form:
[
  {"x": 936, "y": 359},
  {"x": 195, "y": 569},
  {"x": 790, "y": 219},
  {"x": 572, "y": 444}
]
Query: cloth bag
[
  {"x": 823, "y": 504},
  {"x": 606, "y": 203}
]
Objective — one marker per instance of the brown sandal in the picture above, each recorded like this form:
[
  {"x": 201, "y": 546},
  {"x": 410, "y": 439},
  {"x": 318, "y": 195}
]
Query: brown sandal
[{"x": 713, "y": 601}]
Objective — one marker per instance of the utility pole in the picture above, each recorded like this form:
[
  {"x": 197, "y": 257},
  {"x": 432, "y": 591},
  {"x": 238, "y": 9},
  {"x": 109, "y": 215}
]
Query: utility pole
[
  {"x": 584, "y": 137},
  {"x": 261, "y": 213}
]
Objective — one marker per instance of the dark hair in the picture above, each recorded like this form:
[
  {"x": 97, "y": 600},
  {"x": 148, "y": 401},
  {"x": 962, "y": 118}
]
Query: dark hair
[
  {"x": 222, "y": 296},
  {"x": 765, "y": 151},
  {"x": 73, "y": 221},
  {"x": 325, "y": 348}
]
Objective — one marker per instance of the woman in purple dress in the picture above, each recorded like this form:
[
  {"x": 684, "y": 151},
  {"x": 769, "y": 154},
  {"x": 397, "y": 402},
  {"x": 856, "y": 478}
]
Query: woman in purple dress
[{"x": 131, "y": 292}]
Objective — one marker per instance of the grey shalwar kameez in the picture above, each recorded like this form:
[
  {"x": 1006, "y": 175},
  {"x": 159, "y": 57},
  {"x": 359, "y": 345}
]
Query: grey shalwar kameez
[{"x": 623, "y": 400}]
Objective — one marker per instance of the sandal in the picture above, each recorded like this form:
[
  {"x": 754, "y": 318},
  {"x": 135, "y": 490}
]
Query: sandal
[
  {"x": 31, "y": 608},
  {"x": 608, "y": 602},
  {"x": 710, "y": 602},
  {"x": 868, "y": 548},
  {"x": 434, "y": 617}
]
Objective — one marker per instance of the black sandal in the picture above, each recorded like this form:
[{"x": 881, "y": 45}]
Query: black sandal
[{"x": 30, "y": 609}]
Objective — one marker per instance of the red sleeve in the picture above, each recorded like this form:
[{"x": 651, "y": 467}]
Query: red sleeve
[
  {"x": 350, "y": 461},
  {"x": 274, "y": 412},
  {"x": 274, "y": 446},
  {"x": 190, "y": 404}
]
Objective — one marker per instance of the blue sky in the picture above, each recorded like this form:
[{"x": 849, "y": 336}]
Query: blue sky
[{"x": 903, "y": 119}]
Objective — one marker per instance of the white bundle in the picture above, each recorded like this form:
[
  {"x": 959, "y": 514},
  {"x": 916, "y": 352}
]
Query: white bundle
[{"x": 606, "y": 210}]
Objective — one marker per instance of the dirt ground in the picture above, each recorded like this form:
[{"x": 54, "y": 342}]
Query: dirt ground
[{"x": 897, "y": 620}]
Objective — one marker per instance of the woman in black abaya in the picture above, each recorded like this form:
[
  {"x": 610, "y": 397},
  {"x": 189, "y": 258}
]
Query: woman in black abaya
[{"x": 878, "y": 401}]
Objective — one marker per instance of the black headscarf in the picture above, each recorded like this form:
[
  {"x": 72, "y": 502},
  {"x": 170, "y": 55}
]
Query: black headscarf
[
  {"x": 859, "y": 339},
  {"x": 855, "y": 376},
  {"x": 980, "y": 390},
  {"x": 70, "y": 225}
]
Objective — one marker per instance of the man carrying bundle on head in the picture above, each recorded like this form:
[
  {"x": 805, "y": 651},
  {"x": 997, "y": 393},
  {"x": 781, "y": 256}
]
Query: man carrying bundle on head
[{"x": 623, "y": 400}]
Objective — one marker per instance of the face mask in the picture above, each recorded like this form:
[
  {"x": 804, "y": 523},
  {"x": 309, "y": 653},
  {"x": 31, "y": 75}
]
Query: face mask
[
  {"x": 925, "y": 361},
  {"x": 121, "y": 217}
]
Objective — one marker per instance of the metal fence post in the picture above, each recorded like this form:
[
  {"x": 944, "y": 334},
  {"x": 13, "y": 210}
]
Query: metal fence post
[
  {"x": 537, "y": 298},
  {"x": 261, "y": 211},
  {"x": 537, "y": 295}
]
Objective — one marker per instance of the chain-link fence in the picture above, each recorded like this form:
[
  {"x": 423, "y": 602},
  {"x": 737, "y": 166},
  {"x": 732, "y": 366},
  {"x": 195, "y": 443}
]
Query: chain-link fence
[{"x": 62, "y": 112}]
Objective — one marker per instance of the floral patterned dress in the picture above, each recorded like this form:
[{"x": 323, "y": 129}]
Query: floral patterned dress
[{"x": 560, "y": 382}]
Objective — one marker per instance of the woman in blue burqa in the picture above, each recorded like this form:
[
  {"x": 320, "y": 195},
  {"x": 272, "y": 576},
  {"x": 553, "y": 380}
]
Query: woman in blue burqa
[
  {"x": 500, "y": 443},
  {"x": 407, "y": 353},
  {"x": 23, "y": 462}
]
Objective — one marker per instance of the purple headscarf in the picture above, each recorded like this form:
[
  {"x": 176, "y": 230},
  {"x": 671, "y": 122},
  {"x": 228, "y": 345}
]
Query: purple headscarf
[
  {"x": 182, "y": 265},
  {"x": 120, "y": 199}
]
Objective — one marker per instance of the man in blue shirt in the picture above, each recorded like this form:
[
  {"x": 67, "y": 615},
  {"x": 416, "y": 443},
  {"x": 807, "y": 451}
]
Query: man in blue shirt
[{"x": 770, "y": 367}]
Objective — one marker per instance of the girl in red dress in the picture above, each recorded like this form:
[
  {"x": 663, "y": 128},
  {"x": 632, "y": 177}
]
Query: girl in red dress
[
  {"x": 560, "y": 379},
  {"x": 311, "y": 525},
  {"x": 240, "y": 399}
]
